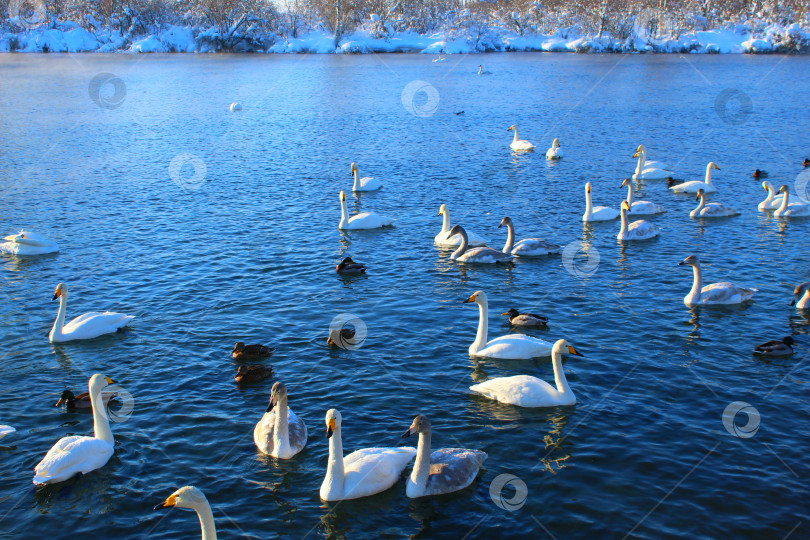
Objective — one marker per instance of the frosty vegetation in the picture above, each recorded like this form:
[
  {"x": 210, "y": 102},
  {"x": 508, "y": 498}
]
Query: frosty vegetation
[{"x": 429, "y": 26}]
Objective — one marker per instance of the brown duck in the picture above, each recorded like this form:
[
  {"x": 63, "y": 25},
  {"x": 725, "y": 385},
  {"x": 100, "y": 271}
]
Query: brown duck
[
  {"x": 82, "y": 401},
  {"x": 254, "y": 373},
  {"x": 348, "y": 266},
  {"x": 251, "y": 352}
]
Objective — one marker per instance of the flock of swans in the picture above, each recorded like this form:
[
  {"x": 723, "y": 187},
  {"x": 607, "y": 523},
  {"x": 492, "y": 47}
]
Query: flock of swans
[{"x": 282, "y": 434}]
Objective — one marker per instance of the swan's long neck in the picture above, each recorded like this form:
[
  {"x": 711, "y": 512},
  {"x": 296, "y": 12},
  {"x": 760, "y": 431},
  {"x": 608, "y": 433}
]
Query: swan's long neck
[
  {"x": 640, "y": 165},
  {"x": 356, "y": 184},
  {"x": 630, "y": 194},
  {"x": 516, "y": 136},
  {"x": 623, "y": 230},
  {"x": 709, "y": 174},
  {"x": 479, "y": 69},
  {"x": 445, "y": 221},
  {"x": 697, "y": 284},
  {"x": 483, "y": 323},
  {"x": 417, "y": 482},
  {"x": 335, "y": 477},
  {"x": 209, "y": 530},
  {"x": 344, "y": 211},
  {"x": 60, "y": 316},
  {"x": 101, "y": 423},
  {"x": 782, "y": 207},
  {"x": 701, "y": 205},
  {"x": 771, "y": 194},
  {"x": 804, "y": 303},
  {"x": 510, "y": 238},
  {"x": 281, "y": 436},
  {"x": 462, "y": 247},
  {"x": 588, "y": 204},
  {"x": 559, "y": 374}
]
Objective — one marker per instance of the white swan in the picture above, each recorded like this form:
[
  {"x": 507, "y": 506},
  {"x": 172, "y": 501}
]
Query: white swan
[
  {"x": 87, "y": 326},
  {"x": 76, "y": 454},
  {"x": 694, "y": 185},
  {"x": 640, "y": 208},
  {"x": 5, "y": 430},
  {"x": 280, "y": 432},
  {"x": 772, "y": 201},
  {"x": 482, "y": 71},
  {"x": 529, "y": 247},
  {"x": 716, "y": 293},
  {"x": 528, "y": 391},
  {"x": 443, "y": 471},
  {"x": 28, "y": 243},
  {"x": 555, "y": 152},
  {"x": 191, "y": 497},
  {"x": 367, "y": 183},
  {"x": 649, "y": 164},
  {"x": 508, "y": 347},
  {"x": 235, "y": 106},
  {"x": 647, "y": 173},
  {"x": 363, "y": 472},
  {"x": 599, "y": 213},
  {"x": 711, "y": 210},
  {"x": 791, "y": 209},
  {"x": 485, "y": 255},
  {"x": 801, "y": 296},
  {"x": 638, "y": 230},
  {"x": 518, "y": 144},
  {"x": 444, "y": 238},
  {"x": 363, "y": 220}
]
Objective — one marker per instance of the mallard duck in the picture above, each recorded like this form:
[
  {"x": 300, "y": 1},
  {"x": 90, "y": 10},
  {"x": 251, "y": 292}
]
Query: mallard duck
[
  {"x": 525, "y": 319},
  {"x": 760, "y": 174},
  {"x": 251, "y": 352},
  {"x": 254, "y": 373},
  {"x": 776, "y": 347},
  {"x": 348, "y": 266},
  {"x": 341, "y": 338},
  {"x": 82, "y": 401}
]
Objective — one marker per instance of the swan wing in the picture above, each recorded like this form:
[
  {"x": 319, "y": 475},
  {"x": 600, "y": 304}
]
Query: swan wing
[
  {"x": 483, "y": 255},
  {"x": 263, "y": 432},
  {"x": 725, "y": 293},
  {"x": 369, "y": 220},
  {"x": 372, "y": 470},
  {"x": 452, "y": 469},
  {"x": 642, "y": 229},
  {"x": 369, "y": 183},
  {"x": 717, "y": 210},
  {"x": 534, "y": 246},
  {"x": 297, "y": 431},
  {"x": 520, "y": 390},
  {"x": 94, "y": 324},
  {"x": 603, "y": 213},
  {"x": 515, "y": 347},
  {"x": 70, "y": 456},
  {"x": 646, "y": 208}
]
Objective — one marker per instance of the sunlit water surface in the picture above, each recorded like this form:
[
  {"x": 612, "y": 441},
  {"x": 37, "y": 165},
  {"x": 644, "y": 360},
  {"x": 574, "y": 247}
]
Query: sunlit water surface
[{"x": 248, "y": 254}]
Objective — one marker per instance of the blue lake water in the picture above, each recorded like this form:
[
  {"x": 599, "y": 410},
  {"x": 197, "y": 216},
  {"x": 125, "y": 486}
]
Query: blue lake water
[{"x": 246, "y": 251}]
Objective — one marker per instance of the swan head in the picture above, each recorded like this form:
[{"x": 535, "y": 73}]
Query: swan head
[
  {"x": 60, "y": 290},
  {"x": 625, "y": 207},
  {"x": 505, "y": 222},
  {"x": 588, "y": 187},
  {"x": 458, "y": 229},
  {"x": 765, "y": 186},
  {"x": 712, "y": 165},
  {"x": 555, "y": 143},
  {"x": 442, "y": 209},
  {"x": 185, "y": 497},
  {"x": 626, "y": 182},
  {"x": 342, "y": 196},
  {"x": 563, "y": 347},
  {"x": 420, "y": 424},
  {"x": 333, "y": 421},
  {"x": 478, "y": 297},
  {"x": 699, "y": 194},
  {"x": 783, "y": 188},
  {"x": 640, "y": 149},
  {"x": 512, "y": 127},
  {"x": 354, "y": 168},
  {"x": 66, "y": 396},
  {"x": 278, "y": 391},
  {"x": 98, "y": 382},
  {"x": 691, "y": 260},
  {"x": 798, "y": 292}
]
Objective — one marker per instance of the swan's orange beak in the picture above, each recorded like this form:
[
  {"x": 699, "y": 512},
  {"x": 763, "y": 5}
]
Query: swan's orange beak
[
  {"x": 469, "y": 300},
  {"x": 168, "y": 503},
  {"x": 57, "y": 294},
  {"x": 330, "y": 428},
  {"x": 573, "y": 351}
]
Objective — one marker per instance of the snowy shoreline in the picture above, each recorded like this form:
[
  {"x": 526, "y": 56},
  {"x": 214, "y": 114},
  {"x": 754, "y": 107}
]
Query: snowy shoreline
[{"x": 69, "y": 37}]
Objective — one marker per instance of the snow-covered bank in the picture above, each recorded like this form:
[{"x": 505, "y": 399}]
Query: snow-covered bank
[{"x": 70, "y": 37}]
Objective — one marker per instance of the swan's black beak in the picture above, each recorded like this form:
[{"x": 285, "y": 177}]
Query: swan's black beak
[
  {"x": 406, "y": 434},
  {"x": 793, "y": 302},
  {"x": 681, "y": 263},
  {"x": 329, "y": 432},
  {"x": 573, "y": 351},
  {"x": 55, "y": 296},
  {"x": 270, "y": 406}
]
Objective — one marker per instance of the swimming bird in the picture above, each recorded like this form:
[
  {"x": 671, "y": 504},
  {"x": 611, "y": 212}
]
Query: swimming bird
[
  {"x": 650, "y": 163},
  {"x": 77, "y": 454},
  {"x": 760, "y": 174},
  {"x": 444, "y": 238},
  {"x": 772, "y": 201},
  {"x": 528, "y": 391},
  {"x": 640, "y": 208},
  {"x": 235, "y": 106},
  {"x": 776, "y": 347},
  {"x": 442, "y": 471},
  {"x": 598, "y": 213},
  {"x": 251, "y": 352},
  {"x": 251, "y": 374},
  {"x": 694, "y": 185},
  {"x": 280, "y": 432},
  {"x": 483, "y": 254},
  {"x": 508, "y": 347},
  {"x": 191, "y": 497},
  {"x": 645, "y": 172},
  {"x": 711, "y": 210},
  {"x": 5, "y": 430},
  {"x": 82, "y": 401},
  {"x": 791, "y": 209},
  {"x": 801, "y": 296},
  {"x": 343, "y": 338},
  {"x": 528, "y": 247},
  {"x": 716, "y": 293},
  {"x": 363, "y": 472},
  {"x": 28, "y": 243},
  {"x": 555, "y": 152},
  {"x": 806, "y": 162},
  {"x": 348, "y": 266},
  {"x": 519, "y": 144},
  {"x": 363, "y": 220},
  {"x": 638, "y": 230},
  {"x": 525, "y": 319},
  {"x": 481, "y": 71},
  {"x": 88, "y": 326},
  {"x": 366, "y": 183}
]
